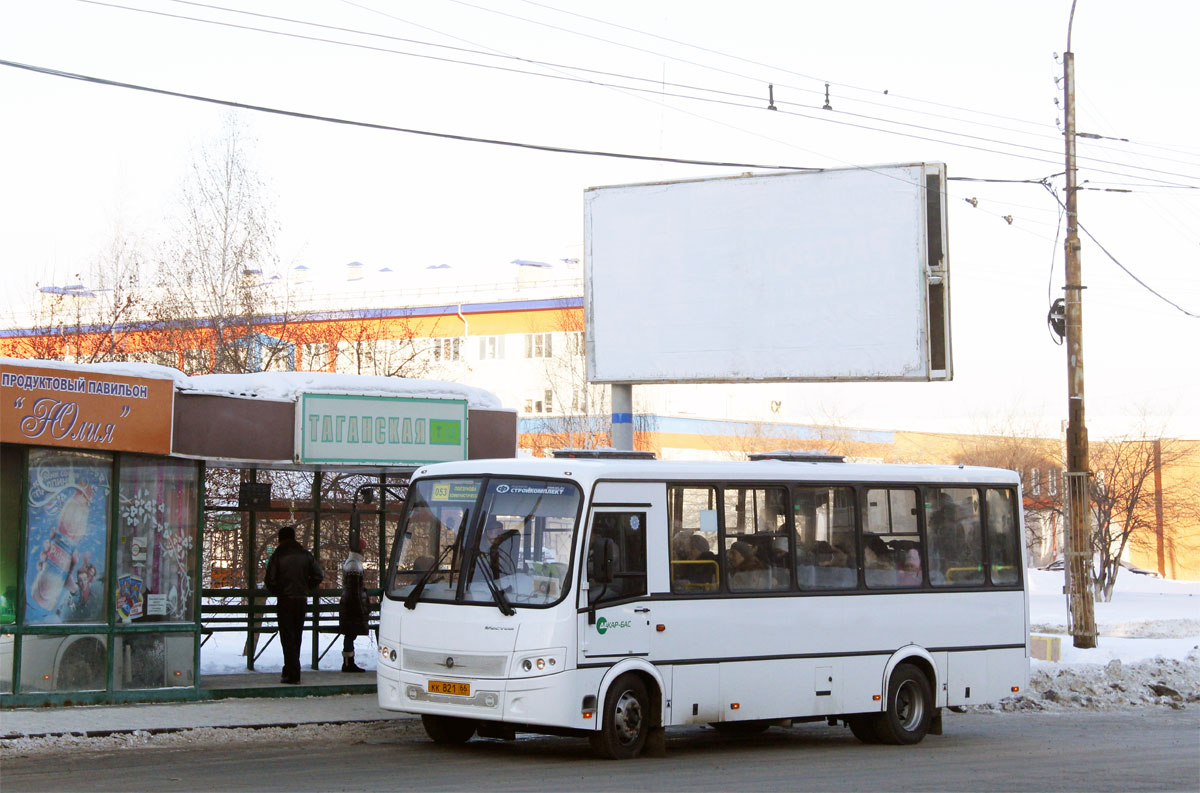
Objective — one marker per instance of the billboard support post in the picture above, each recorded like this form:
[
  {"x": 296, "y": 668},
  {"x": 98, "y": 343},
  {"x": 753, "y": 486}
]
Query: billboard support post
[{"x": 622, "y": 416}]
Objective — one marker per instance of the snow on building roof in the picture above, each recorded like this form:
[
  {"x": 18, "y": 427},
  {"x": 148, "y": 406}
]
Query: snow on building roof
[
  {"x": 289, "y": 385},
  {"x": 281, "y": 385}
]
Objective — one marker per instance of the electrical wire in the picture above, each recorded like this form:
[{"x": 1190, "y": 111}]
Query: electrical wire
[
  {"x": 1117, "y": 262},
  {"x": 754, "y": 63},
  {"x": 753, "y": 103},
  {"x": 389, "y": 128},
  {"x": 555, "y": 67},
  {"x": 1050, "y": 278},
  {"x": 816, "y": 79}
]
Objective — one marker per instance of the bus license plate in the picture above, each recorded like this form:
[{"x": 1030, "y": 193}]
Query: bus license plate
[{"x": 445, "y": 687}]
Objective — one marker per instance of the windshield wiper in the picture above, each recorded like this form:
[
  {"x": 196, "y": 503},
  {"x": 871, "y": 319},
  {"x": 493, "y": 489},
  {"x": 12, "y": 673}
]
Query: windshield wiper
[
  {"x": 410, "y": 602},
  {"x": 501, "y": 599}
]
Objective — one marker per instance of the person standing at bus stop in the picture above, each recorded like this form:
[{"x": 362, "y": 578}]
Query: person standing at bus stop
[
  {"x": 291, "y": 573},
  {"x": 353, "y": 607}
]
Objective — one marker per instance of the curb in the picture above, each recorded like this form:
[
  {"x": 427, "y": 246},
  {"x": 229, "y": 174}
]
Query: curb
[{"x": 168, "y": 730}]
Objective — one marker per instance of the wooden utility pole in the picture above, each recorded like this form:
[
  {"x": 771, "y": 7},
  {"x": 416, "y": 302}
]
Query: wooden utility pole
[{"x": 1078, "y": 535}]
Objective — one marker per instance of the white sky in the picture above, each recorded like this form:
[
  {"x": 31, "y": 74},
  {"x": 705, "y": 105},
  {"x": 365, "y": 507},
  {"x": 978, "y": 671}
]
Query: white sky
[{"x": 78, "y": 159}]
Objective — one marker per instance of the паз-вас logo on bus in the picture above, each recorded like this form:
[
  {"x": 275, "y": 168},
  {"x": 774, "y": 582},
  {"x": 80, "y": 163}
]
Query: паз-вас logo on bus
[{"x": 604, "y": 625}]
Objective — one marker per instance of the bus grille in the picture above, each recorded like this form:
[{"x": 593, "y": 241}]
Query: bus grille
[{"x": 452, "y": 663}]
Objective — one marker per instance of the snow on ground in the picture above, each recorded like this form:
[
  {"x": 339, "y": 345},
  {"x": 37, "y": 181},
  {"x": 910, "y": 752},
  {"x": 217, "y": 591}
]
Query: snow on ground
[
  {"x": 1147, "y": 653},
  {"x": 223, "y": 653}
]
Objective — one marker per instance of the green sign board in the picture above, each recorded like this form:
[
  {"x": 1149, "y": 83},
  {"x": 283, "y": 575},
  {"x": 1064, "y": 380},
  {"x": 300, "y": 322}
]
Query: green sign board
[{"x": 346, "y": 428}]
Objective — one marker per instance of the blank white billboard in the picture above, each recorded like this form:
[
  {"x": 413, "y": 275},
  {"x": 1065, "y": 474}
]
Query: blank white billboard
[{"x": 822, "y": 276}]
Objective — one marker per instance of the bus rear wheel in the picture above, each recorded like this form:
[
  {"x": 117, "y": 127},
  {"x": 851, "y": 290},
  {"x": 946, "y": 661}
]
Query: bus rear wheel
[
  {"x": 447, "y": 729},
  {"x": 626, "y": 720},
  {"x": 909, "y": 709}
]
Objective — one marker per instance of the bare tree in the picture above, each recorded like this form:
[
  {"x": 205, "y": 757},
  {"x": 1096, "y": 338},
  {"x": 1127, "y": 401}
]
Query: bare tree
[
  {"x": 1016, "y": 447},
  {"x": 1123, "y": 499},
  {"x": 222, "y": 301},
  {"x": 388, "y": 346},
  {"x": 91, "y": 321}
]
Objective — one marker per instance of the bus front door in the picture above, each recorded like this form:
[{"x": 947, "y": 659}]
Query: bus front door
[{"x": 615, "y": 620}]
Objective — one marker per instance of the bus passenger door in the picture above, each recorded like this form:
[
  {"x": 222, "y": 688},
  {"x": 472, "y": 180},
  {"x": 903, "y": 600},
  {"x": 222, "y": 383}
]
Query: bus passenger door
[{"x": 615, "y": 617}]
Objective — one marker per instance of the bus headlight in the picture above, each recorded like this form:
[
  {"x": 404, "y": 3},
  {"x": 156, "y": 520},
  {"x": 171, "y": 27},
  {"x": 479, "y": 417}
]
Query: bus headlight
[
  {"x": 387, "y": 653},
  {"x": 541, "y": 662}
]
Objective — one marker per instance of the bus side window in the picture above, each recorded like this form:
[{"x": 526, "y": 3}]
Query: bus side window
[
  {"x": 891, "y": 541},
  {"x": 694, "y": 566},
  {"x": 826, "y": 556},
  {"x": 757, "y": 547},
  {"x": 1003, "y": 537},
  {"x": 955, "y": 536}
]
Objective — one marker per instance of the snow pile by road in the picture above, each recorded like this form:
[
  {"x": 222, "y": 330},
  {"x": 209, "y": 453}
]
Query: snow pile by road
[{"x": 1147, "y": 653}]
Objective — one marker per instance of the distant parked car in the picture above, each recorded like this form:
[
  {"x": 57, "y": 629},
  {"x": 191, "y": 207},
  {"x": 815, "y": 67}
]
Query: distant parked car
[
  {"x": 1058, "y": 564},
  {"x": 1140, "y": 570}
]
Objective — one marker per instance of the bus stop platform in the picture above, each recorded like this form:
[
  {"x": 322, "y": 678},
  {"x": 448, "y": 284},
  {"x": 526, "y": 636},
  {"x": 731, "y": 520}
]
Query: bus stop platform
[
  {"x": 252, "y": 700},
  {"x": 97, "y": 721},
  {"x": 266, "y": 684}
]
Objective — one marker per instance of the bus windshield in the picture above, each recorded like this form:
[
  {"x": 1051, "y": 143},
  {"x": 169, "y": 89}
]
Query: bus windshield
[{"x": 478, "y": 540}]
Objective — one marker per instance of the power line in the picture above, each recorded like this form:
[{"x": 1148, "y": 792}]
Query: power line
[
  {"x": 389, "y": 128},
  {"x": 798, "y": 74},
  {"x": 618, "y": 89},
  {"x": 755, "y": 102},
  {"x": 749, "y": 61},
  {"x": 1117, "y": 262}
]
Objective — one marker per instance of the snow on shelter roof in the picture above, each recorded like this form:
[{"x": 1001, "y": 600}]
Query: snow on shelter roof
[{"x": 286, "y": 386}]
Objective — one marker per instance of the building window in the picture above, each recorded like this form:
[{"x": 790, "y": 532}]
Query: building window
[
  {"x": 491, "y": 348},
  {"x": 315, "y": 357},
  {"x": 575, "y": 343},
  {"x": 449, "y": 349},
  {"x": 1035, "y": 481},
  {"x": 540, "y": 404},
  {"x": 579, "y": 398},
  {"x": 1052, "y": 481},
  {"x": 197, "y": 361},
  {"x": 355, "y": 357},
  {"x": 537, "y": 345}
]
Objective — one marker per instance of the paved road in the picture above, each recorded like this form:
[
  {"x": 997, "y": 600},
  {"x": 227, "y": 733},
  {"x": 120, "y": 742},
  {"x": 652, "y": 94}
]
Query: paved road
[{"x": 1128, "y": 751}]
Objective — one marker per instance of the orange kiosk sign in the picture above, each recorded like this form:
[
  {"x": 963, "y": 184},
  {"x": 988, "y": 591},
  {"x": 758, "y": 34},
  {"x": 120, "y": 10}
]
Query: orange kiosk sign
[{"x": 85, "y": 409}]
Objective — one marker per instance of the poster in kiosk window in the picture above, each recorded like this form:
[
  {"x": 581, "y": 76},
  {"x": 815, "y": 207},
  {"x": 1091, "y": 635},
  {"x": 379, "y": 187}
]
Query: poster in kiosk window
[{"x": 67, "y": 519}]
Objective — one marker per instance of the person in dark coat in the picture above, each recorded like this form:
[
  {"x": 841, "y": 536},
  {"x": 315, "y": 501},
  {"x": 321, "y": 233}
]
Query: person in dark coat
[
  {"x": 353, "y": 609},
  {"x": 291, "y": 573}
]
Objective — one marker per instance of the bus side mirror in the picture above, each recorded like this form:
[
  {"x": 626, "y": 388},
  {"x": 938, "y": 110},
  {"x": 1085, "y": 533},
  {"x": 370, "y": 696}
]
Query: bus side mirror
[{"x": 602, "y": 561}]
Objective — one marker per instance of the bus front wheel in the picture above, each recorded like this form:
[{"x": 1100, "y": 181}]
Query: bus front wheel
[
  {"x": 909, "y": 709},
  {"x": 626, "y": 720},
  {"x": 447, "y": 729}
]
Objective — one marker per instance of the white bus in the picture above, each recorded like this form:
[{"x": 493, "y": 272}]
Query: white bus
[{"x": 613, "y": 598}]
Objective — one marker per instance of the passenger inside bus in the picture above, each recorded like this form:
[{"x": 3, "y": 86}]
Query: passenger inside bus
[
  {"x": 504, "y": 548},
  {"x": 833, "y": 569},
  {"x": 746, "y": 570},
  {"x": 879, "y": 563},
  {"x": 693, "y": 564}
]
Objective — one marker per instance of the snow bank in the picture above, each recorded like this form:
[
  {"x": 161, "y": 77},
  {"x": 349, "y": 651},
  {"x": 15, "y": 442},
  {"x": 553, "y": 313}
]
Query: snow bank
[
  {"x": 1157, "y": 682},
  {"x": 1147, "y": 653}
]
